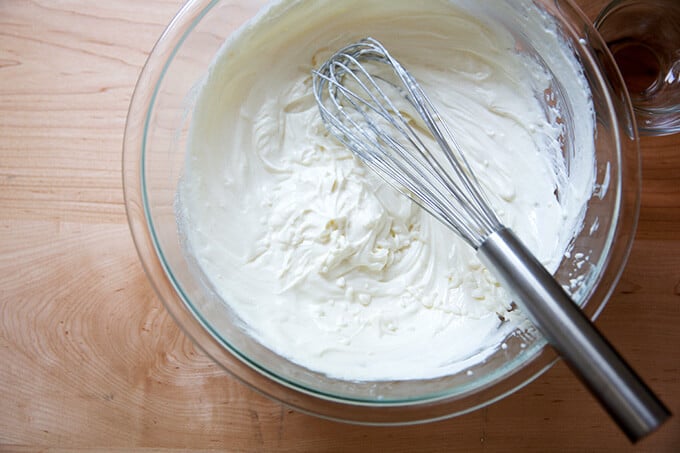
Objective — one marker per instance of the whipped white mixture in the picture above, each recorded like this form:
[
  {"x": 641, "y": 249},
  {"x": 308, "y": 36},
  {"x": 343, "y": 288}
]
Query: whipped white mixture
[{"x": 325, "y": 263}]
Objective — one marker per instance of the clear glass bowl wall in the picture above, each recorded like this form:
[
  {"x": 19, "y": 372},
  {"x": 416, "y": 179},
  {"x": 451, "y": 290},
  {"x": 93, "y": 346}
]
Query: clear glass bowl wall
[{"x": 154, "y": 154}]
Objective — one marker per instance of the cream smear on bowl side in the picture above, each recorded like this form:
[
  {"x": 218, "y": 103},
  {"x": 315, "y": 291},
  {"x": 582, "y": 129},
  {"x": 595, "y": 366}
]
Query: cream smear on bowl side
[{"x": 326, "y": 264}]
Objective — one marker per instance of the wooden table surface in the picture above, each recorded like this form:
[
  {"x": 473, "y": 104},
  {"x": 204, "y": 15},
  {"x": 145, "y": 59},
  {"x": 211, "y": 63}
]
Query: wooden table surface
[{"x": 89, "y": 358}]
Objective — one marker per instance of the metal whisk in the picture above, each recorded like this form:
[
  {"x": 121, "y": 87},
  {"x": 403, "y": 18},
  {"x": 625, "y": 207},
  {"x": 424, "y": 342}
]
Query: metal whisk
[{"x": 377, "y": 109}]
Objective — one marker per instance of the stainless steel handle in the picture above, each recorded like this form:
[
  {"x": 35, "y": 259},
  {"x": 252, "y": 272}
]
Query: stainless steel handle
[{"x": 609, "y": 378}]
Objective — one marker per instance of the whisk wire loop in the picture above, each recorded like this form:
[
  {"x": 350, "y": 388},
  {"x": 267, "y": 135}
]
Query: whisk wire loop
[{"x": 357, "y": 110}]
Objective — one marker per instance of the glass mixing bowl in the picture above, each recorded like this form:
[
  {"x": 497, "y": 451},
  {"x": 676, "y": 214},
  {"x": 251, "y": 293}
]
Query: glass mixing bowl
[{"x": 158, "y": 124}]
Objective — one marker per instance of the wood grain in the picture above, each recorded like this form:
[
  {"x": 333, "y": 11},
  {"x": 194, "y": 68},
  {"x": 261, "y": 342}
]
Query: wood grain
[{"x": 91, "y": 361}]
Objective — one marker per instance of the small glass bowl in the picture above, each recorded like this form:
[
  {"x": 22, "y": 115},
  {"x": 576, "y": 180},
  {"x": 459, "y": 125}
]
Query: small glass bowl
[
  {"x": 644, "y": 37},
  {"x": 156, "y": 133}
]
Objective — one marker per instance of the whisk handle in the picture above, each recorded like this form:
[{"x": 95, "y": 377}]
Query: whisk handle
[{"x": 610, "y": 379}]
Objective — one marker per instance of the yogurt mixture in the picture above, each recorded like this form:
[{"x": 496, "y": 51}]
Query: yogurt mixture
[{"x": 323, "y": 262}]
